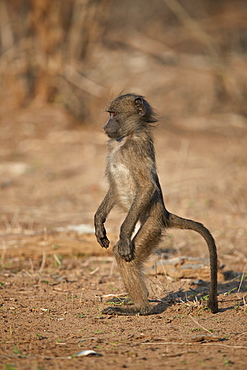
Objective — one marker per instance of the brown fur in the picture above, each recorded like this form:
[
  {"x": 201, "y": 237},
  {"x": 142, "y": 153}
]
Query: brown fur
[{"x": 134, "y": 187}]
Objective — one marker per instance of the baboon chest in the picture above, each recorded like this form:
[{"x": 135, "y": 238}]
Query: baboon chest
[{"x": 122, "y": 178}]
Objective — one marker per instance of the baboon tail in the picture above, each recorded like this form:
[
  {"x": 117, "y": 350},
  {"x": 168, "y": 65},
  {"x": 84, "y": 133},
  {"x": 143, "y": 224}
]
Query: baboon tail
[{"x": 174, "y": 221}]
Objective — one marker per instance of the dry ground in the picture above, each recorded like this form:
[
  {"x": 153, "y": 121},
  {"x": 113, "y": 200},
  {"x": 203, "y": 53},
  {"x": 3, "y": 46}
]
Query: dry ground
[{"x": 54, "y": 282}]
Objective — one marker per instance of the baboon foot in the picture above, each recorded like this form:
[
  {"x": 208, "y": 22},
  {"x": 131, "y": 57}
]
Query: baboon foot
[
  {"x": 120, "y": 301},
  {"x": 118, "y": 311},
  {"x": 125, "y": 311}
]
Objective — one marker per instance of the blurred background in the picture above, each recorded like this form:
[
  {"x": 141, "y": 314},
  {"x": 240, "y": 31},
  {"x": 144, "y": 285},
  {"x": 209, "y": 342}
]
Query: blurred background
[
  {"x": 61, "y": 62},
  {"x": 188, "y": 57}
]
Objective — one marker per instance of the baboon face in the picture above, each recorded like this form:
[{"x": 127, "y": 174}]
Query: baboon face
[{"x": 128, "y": 113}]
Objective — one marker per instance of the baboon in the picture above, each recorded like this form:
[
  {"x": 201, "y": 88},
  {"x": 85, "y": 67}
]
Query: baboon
[{"x": 134, "y": 187}]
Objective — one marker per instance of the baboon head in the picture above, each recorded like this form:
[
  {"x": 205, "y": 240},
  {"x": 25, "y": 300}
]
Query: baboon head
[{"x": 128, "y": 113}]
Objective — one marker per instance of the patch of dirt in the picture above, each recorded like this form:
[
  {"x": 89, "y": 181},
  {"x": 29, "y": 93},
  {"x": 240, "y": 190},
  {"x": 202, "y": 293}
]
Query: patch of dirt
[{"x": 55, "y": 281}]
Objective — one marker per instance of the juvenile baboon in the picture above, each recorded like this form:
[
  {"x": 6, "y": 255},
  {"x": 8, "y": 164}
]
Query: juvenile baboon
[{"x": 134, "y": 187}]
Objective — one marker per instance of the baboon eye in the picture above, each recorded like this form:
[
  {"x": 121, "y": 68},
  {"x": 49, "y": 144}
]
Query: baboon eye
[{"x": 113, "y": 114}]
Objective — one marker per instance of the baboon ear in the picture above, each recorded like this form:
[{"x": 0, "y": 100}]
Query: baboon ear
[{"x": 140, "y": 106}]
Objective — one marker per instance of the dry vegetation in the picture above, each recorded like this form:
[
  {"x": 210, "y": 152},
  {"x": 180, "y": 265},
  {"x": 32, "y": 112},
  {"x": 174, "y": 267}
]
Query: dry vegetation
[{"x": 60, "y": 63}]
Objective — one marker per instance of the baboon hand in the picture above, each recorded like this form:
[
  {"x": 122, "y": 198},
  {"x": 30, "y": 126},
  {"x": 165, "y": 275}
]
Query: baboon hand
[
  {"x": 126, "y": 249},
  {"x": 102, "y": 239}
]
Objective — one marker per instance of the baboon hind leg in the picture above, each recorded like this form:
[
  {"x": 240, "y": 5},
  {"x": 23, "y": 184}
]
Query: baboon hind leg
[{"x": 131, "y": 272}]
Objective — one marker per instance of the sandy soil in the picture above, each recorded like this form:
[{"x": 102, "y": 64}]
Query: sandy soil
[{"x": 55, "y": 281}]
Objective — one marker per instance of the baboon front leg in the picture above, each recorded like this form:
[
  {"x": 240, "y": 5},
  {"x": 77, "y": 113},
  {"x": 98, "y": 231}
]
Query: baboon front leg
[
  {"x": 131, "y": 272},
  {"x": 126, "y": 249},
  {"x": 100, "y": 218}
]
